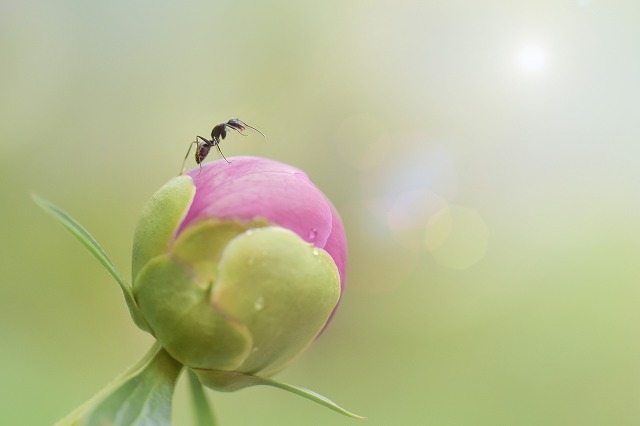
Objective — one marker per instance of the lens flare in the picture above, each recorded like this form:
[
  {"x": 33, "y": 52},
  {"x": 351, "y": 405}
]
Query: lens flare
[{"x": 532, "y": 58}]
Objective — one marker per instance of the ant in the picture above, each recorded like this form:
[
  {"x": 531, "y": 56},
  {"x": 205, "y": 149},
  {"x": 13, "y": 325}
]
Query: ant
[{"x": 219, "y": 132}]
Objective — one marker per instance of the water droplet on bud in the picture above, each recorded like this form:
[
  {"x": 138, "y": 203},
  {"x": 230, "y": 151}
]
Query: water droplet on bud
[{"x": 316, "y": 252}]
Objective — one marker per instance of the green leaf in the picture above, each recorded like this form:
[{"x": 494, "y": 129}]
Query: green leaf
[
  {"x": 147, "y": 385},
  {"x": 143, "y": 399},
  {"x": 204, "y": 413},
  {"x": 231, "y": 381},
  {"x": 310, "y": 395},
  {"x": 94, "y": 248}
]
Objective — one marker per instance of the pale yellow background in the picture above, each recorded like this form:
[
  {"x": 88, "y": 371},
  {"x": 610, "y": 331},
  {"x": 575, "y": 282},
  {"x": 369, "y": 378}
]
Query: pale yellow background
[{"x": 485, "y": 157}]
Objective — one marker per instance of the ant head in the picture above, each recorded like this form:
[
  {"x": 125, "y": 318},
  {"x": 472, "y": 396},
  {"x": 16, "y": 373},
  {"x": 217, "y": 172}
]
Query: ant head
[{"x": 236, "y": 124}]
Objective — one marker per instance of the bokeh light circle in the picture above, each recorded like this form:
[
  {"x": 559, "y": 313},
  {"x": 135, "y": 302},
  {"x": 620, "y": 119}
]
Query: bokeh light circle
[{"x": 457, "y": 237}]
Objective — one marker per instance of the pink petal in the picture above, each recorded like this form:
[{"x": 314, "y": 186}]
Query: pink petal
[{"x": 253, "y": 187}]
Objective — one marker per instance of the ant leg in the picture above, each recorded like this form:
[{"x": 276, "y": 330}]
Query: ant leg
[
  {"x": 220, "y": 151},
  {"x": 187, "y": 156}
]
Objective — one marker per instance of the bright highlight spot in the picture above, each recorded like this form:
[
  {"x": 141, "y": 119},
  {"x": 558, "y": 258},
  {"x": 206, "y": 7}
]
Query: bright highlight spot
[
  {"x": 532, "y": 58},
  {"x": 457, "y": 237}
]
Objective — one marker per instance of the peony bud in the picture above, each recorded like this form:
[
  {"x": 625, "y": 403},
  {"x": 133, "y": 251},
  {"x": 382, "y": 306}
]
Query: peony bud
[{"x": 238, "y": 267}]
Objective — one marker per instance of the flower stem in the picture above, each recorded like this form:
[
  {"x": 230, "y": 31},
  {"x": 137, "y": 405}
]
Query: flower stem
[{"x": 201, "y": 405}]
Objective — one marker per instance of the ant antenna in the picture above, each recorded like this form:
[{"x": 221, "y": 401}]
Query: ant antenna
[{"x": 239, "y": 125}]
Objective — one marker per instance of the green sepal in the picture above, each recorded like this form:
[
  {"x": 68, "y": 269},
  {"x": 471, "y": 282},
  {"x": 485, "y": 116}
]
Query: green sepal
[
  {"x": 281, "y": 288},
  {"x": 160, "y": 220},
  {"x": 176, "y": 305},
  {"x": 173, "y": 290},
  {"x": 229, "y": 381},
  {"x": 230, "y": 298},
  {"x": 201, "y": 245},
  {"x": 94, "y": 248}
]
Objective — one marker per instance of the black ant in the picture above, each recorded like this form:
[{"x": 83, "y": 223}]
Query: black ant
[{"x": 219, "y": 132}]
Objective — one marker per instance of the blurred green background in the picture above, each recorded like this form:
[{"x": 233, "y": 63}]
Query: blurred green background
[{"x": 483, "y": 155}]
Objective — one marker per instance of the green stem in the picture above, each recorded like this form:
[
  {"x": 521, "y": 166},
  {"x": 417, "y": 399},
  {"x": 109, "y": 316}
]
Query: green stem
[{"x": 201, "y": 405}]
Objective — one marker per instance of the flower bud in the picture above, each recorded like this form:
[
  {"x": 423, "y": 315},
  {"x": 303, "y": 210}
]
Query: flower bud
[{"x": 238, "y": 267}]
